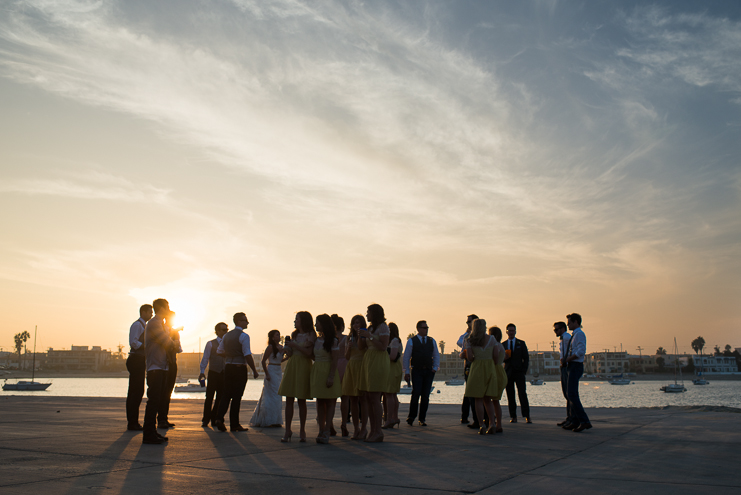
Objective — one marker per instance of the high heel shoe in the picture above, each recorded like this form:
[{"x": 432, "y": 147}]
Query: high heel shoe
[
  {"x": 323, "y": 438},
  {"x": 302, "y": 437},
  {"x": 482, "y": 431},
  {"x": 391, "y": 424},
  {"x": 287, "y": 437},
  {"x": 491, "y": 431},
  {"x": 360, "y": 435},
  {"x": 345, "y": 433}
]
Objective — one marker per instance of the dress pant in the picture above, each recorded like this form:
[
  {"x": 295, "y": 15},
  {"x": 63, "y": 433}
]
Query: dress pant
[
  {"x": 164, "y": 411},
  {"x": 564, "y": 389},
  {"x": 156, "y": 382},
  {"x": 515, "y": 377},
  {"x": 467, "y": 405},
  {"x": 421, "y": 388},
  {"x": 235, "y": 379},
  {"x": 575, "y": 371},
  {"x": 214, "y": 386},
  {"x": 136, "y": 364}
]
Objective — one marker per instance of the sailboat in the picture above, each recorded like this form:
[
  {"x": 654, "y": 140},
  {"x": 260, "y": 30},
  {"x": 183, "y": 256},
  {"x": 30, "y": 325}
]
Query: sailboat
[
  {"x": 675, "y": 388},
  {"x": 26, "y": 385}
]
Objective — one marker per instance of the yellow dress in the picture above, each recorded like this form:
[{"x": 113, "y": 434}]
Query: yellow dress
[
  {"x": 296, "y": 378},
  {"x": 320, "y": 372},
  {"x": 483, "y": 380},
  {"x": 375, "y": 374},
  {"x": 395, "y": 369},
  {"x": 353, "y": 371},
  {"x": 500, "y": 373}
]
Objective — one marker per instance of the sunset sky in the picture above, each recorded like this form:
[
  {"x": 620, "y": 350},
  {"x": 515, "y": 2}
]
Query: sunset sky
[{"x": 517, "y": 160}]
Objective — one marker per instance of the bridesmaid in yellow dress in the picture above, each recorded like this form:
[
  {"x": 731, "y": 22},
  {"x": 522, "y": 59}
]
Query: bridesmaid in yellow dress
[
  {"x": 325, "y": 379},
  {"x": 295, "y": 383},
  {"x": 482, "y": 383},
  {"x": 351, "y": 381},
  {"x": 339, "y": 327},
  {"x": 375, "y": 367},
  {"x": 396, "y": 372}
]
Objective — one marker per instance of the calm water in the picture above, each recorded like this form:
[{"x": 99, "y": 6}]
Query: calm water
[{"x": 593, "y": 393}]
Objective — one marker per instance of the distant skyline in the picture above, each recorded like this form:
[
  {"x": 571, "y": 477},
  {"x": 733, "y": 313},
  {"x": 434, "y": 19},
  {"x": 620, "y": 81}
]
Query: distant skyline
[{"x": 517, "y": 160}]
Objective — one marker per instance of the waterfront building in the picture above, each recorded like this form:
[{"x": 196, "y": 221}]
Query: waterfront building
[
  {"x": 607, "y": 362},
  {"x": 78, "y": 358},
  {"x": 544, "y": 363},
  {"x": 451, "y": 365},
  {"x": 715, "y": 364},
  {"x": 643, "y": 364}
]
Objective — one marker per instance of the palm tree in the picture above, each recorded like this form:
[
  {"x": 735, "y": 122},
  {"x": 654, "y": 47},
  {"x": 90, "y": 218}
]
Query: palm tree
[
  {"x": 661, "y": 351},
  {"x": 20, "y": 339},
  {"x": 698, "y": 344},
  {"x": 442, "y": 346},
  {"x": 410, "y": 336}
]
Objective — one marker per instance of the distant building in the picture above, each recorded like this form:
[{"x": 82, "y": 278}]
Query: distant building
[
  {"x": 544, "y": 363},
  {"x": 78, "y": 358},
  {"x": 607, "y": 362},
  {"x": 10, "y": 360},
  {"x": 715, "y": 364},
  {"x": 643, "y": 364},
  {"x": 451, "y": 364}
]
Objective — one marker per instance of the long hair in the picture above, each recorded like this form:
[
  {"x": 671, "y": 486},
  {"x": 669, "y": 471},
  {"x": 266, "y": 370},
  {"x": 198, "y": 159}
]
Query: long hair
[
  {"x": 478, "y": 332},
  {"x": 272, "y": 344},
  {"x": 353, "y": 332},
  {"x": 393, "y": 331},
  {"x": 338, "y": 322},
  {"x": 306, "y": 322},
  {"x": 376, "y": 316},
  {"x": 328, "y": 331},
  {"x": 496, "y": 332}
]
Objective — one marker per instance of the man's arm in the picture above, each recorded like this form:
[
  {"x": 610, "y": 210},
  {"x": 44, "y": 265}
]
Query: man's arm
[
  {"x": 248, "y": 359},
  {"x": 526, "y": 358},
  {"x": 578, "y": 346},
  {"x": 135, "y": 332},
  {"x": 406, "y": 358},
  {"x": 435, "y": 356},
  {"x": 204, "y": 360}
]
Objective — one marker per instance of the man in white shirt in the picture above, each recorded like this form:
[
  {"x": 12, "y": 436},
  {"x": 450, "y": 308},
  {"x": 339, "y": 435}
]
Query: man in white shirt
[
  {"x": 467, "y": 405},
  {"x": 137, "y": 366},
  {"x": 421, "y": 360},
  {"x": 157, "y": 342},
  {"x": 559, "y": 328},
  {"x": 215, "y": 382},
  {"x": 575, "y": 366},
  {"x": 235, "y": 347}
]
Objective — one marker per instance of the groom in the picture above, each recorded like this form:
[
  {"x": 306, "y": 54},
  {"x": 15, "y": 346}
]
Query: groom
[{"x": 422, "y": 355}]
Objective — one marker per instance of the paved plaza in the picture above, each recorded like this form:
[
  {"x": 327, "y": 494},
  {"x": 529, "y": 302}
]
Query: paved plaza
[{"x": 60, "y": 445}]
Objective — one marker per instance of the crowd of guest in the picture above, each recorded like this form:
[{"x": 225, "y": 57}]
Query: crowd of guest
[{"x": 363, "y": 369}]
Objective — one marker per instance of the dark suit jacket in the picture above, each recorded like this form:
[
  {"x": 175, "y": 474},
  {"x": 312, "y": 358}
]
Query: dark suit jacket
[{"x": 519, "y": 360}]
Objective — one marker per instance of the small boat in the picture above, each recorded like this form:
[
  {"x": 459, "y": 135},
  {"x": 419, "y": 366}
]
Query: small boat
[
  {"x": 24, "y": 385},
  {"x": 537, "y": 381},
  {"x": 676, "y": 387},
  {"x": 700, "y": 381},
  {"x": 190, "y": 387},
  {"x": 619, "y": 380},
  {"x": 455, "y": 381},
  {"x": 407, "y": 390}
]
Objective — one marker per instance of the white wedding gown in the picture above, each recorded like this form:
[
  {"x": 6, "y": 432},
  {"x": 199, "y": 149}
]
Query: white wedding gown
[{"x": 269, "y": 410}]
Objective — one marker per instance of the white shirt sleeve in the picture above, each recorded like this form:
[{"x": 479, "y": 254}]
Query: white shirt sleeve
[
  {"x": 135, "y": 332},
  {"x": 221, "y": 350},
  {"x": 579, "y": 345},
  {"x": 206, "y": 356},
  {"x": 461, "y": 340},
  {"x": 244, "y": 339},
  {"x": 435, "y": 356},
  {"x": 407, "y": 356}
]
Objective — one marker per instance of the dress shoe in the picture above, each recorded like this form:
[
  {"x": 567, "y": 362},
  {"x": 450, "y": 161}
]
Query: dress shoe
[
  {"x": 582, "y": 427},
  {"x": 165, "y": 425},
  {"x": 562, "y": 422},
  {"x": 410, "y": 422},
  {"x": 136, "y": 427},
  {"x": 513, "y": 420},
  {"x": 153, "y": 440},
  {"x": 422, "y": 423},
  {"x": 238, "y": 428},
  {"x": 570, "y": 426},
  {"x": 475, "y": 426},
  {"x": 528, "y": 421},
  {"x": 464, "y": 421},
  {"x": 204, "y": 424},
  {"x": 162, "y": 437},
  {"x": 220, "y": 425}
]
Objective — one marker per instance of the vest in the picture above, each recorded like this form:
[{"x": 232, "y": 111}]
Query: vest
[
  {"x": 232, "y": 346},
  {"x": 215, "y": 362},
  {"x": 422, "y": 354}
]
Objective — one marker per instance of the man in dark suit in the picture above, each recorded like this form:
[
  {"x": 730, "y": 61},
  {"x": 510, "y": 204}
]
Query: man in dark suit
[{"x": 515, "y": 365}]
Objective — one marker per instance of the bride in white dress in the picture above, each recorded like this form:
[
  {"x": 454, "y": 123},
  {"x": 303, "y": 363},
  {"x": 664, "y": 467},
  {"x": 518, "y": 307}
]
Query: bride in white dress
[{"x": 269, "y": 410}]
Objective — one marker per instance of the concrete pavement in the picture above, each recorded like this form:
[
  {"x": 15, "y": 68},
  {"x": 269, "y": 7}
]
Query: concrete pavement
[{"x": 80, "y": 445}]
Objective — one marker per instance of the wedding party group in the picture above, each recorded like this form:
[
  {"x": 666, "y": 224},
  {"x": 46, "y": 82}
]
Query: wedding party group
[{"x": 364, "y": 369}]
